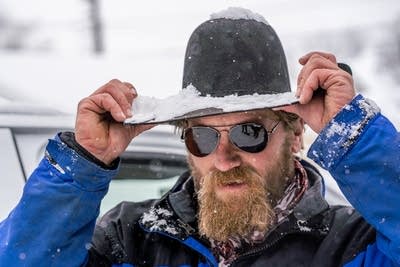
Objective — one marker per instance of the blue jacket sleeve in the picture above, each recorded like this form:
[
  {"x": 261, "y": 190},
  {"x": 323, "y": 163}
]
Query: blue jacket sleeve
[
  {"x": 361, "y": 149},
  {"x": 53, "y": 223}
]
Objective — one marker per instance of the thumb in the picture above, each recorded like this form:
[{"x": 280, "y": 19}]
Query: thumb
[
  {"x": 137, "y": 129},
  {"x": 145, "y": 127},
  {"x": 291, "y": 109}
]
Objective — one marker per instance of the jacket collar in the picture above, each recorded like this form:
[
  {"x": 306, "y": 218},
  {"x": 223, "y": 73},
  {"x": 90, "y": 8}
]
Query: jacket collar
[
  {"x": 184, "y": 200},
  {"x": 313, "y": 201}
]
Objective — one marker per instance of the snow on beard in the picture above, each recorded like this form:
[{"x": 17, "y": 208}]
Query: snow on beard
[{"x": 236, "y": 214}]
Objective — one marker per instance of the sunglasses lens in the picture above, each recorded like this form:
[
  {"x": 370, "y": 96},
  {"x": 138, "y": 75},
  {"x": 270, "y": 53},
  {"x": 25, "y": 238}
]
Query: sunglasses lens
[
  {"x": 201, "y": 141},
  {"x": 249, "y": 137}
]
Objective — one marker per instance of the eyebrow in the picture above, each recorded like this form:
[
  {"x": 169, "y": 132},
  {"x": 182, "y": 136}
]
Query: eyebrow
[
  {"x": 257, "y": 121},
  {"x": 259, "y": 118}
]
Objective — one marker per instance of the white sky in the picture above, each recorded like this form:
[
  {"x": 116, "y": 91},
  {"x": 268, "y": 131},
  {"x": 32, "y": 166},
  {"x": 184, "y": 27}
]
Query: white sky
[{"x": 145, "y": 42}]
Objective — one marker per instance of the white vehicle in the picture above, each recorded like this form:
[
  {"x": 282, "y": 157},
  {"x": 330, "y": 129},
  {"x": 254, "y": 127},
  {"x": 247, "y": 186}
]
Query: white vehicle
[{"x": 149, "y": 167}]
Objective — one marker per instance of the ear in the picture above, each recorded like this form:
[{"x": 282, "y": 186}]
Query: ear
[{"x": 297, "y": 144}]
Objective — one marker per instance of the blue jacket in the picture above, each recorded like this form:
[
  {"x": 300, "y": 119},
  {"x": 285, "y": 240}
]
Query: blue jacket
[{"x": 54, "y": 222}]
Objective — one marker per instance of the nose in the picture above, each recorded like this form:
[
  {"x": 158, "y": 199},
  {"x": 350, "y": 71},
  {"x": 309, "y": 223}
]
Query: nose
[{"x": 226, "y": 156}]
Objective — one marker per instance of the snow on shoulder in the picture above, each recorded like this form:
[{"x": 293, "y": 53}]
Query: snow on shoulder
[{"x": 238, "y": 13}]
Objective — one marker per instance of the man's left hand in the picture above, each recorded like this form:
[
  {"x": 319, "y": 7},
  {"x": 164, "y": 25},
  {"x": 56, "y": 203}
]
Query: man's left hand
[{"x": 320, "y": 70}]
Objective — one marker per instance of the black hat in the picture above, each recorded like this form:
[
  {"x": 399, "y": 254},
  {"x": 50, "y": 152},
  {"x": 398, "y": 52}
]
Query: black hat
[{"x": 233, "y": 62}]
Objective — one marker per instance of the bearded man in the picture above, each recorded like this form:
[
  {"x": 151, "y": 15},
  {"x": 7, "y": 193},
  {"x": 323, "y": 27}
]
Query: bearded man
[{"x": 247, "y": 199}]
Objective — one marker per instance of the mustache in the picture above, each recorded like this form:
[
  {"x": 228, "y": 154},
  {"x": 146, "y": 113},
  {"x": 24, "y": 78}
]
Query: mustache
[{"x": 239, "y": 175}]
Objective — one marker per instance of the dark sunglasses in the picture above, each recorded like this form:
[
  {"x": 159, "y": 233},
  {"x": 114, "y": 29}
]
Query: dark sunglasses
[{"x": 249, "y": 137}]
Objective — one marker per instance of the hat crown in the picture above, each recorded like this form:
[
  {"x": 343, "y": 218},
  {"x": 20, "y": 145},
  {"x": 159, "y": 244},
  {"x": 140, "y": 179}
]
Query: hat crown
[{"x": 227, "y": 56}]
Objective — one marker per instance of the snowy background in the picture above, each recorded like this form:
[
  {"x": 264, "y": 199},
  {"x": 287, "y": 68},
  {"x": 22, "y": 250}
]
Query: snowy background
[
  {"x": 48, "y": 56},
  {"x": 54, "y": 53}
]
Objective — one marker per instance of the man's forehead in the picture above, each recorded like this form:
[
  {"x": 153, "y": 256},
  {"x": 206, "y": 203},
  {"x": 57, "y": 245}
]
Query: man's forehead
[{"x": 234, "y": 118}]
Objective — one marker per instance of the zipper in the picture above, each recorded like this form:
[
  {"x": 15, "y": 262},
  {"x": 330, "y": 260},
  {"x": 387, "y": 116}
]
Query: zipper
[
  {"x": 188, "y": 229},
  {"x": 53, "y": 162},
  {"x": 271, "y": 244},
  {"x": 255, "y": 251}
]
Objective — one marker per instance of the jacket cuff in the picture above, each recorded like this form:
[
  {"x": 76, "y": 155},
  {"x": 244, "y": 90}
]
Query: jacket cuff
[
  {"x": 342, "y": 132},
  {"x": 75, "y": 168},
  {"x": 69, "y": 139}
]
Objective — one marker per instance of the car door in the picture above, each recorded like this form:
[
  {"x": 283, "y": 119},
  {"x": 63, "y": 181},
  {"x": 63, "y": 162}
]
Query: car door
[{"x": 12, "y": 174}]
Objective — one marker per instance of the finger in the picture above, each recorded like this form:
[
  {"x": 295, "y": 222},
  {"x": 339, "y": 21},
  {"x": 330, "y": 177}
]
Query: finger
[
  {"x": 290, "y": 109},
  {"x": 139, "y": 128},
  {"x": 131, "y": 94},
  {"x": 102, "y": 103},
  {"x": 303, "y": 60},
  {"x": 104, "y": 87},
  {"x": 314, "y": 81},
  {"x": 131, "y": 87},
  {"x": 121, "y": 92},
  {"x": 300, "y": 83},
  {"x": 316, "y": 61},
  {"x": 127, "y": 88},
  {"x": 123, "y": 97}
]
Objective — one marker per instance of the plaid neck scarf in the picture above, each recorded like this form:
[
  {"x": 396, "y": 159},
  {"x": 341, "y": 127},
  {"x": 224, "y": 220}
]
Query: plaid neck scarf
[{"x": 227, "y": 251}]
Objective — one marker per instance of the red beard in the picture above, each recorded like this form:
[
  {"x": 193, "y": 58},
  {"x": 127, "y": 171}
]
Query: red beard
[{"x": 234, "y": 214}]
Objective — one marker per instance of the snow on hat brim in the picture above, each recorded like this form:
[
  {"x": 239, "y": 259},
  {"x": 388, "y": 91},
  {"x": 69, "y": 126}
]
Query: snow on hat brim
[{"x": 190, "y": 104}]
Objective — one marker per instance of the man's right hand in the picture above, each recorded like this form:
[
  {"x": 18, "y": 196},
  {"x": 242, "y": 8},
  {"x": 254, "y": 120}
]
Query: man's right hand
[{"x": 99, "y": 127}]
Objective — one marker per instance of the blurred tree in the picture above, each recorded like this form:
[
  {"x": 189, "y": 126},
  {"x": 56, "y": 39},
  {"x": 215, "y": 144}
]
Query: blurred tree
[
  {"x": 389, "y": 51},
  {"x": 13, "y": 35},
  {"x": 96, "y": 26}
]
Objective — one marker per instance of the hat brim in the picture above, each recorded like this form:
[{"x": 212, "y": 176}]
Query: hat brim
[{"x": 189, "y": 104}]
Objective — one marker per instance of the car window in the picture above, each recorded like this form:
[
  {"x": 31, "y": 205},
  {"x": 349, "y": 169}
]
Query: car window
[
  {"x": 153, "y": 166},
  {"x": 143, "y": 175}
]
